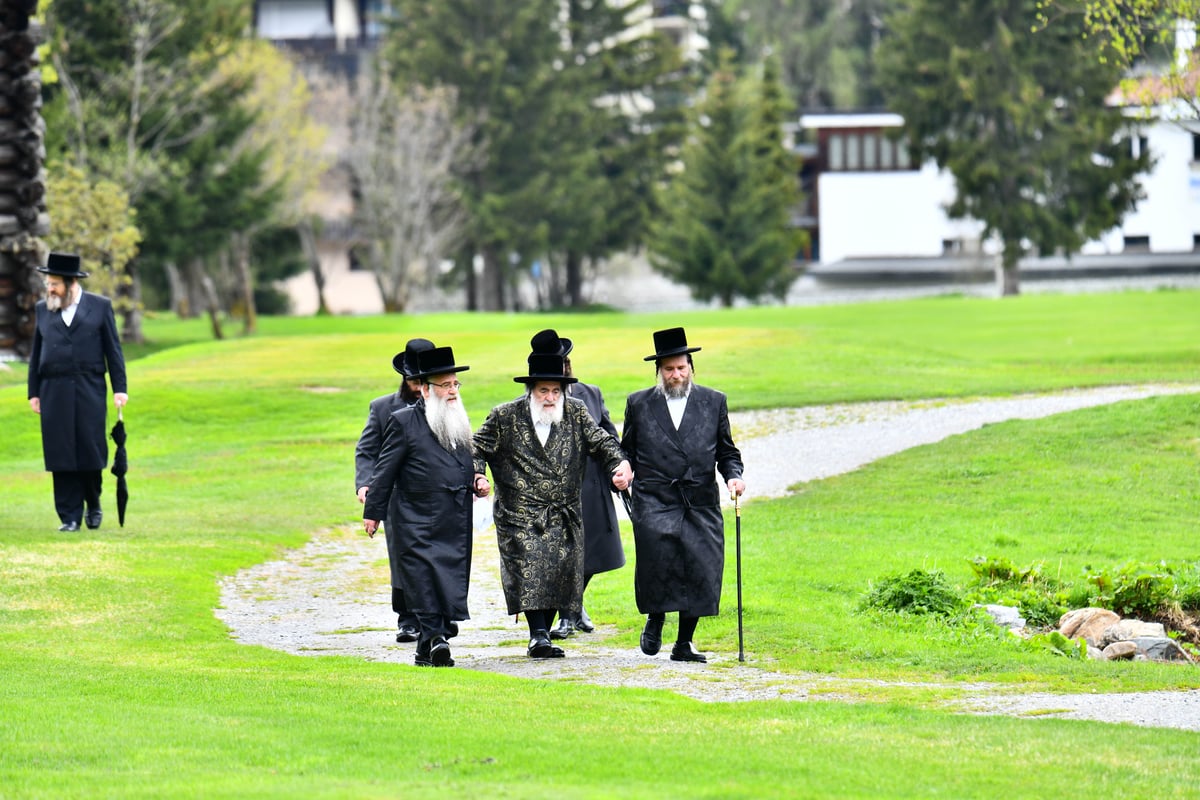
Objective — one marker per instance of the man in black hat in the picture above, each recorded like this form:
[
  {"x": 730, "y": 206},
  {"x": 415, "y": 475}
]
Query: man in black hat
[
  {"x": 602, "y": 549},
  {"x": 537, "y": 448},
  {"x": 422, "y": 483},
  {"x": 675, "y": 433},
  {"x": 74, "y": 344},
  {"x": 370, "y": 443}
]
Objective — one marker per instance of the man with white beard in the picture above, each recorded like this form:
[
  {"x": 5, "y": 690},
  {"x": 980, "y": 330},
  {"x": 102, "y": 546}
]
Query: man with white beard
[
  {"x": 537, "y": 448},
  {"x": 366, "y": 453},
  {"x": 677, "y": 437},
  {"x": 75, "y": 343},
  {"x": 423, "y": 485}
]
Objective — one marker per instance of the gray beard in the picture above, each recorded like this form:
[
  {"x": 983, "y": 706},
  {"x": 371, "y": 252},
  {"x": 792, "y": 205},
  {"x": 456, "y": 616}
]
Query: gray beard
[
  {"x": 448, "y": 422},
  {"x": 543, "y": 417},
  {"x": 674, "y": 392},
  {"x": 54, "y": 302}
]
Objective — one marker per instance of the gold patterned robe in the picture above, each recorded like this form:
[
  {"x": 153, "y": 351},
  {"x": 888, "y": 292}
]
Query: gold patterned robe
[{"x": 538, "y": 510}]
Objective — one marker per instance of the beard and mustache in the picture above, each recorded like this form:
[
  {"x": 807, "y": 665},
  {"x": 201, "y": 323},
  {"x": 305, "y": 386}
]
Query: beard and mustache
[
  {"x": 56, "y": 302},
  {"x": 676, "y": 390},
  {"x": 448, "y": 422},
  {"x": 546, "y": 416}
]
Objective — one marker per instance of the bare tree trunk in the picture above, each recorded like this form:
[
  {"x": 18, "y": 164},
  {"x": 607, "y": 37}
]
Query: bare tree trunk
[
  {"x": 1008, "y": 276},
  {"x": 466, "y": 265},
  {"x": 308, "y": 242},
  {"x": 205, "y": 282},
  {"x": 494, "y": 284},
  {"x": 131, "y": 325},
  {"x": 574, "y": 279},
  {"x": 178, "y": 289},
  {"x": 241, "y": 263}
]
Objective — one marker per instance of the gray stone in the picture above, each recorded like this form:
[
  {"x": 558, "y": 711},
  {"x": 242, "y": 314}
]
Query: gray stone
[
  {"x": 1005, "y": 616},
  {"x": 1128, "y": 629},
  {"x": 1161, "y": 649}
]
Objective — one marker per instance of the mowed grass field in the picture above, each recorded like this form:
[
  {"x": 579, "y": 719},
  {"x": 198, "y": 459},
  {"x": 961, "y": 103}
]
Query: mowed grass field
[{"x": 117, "y": 680}]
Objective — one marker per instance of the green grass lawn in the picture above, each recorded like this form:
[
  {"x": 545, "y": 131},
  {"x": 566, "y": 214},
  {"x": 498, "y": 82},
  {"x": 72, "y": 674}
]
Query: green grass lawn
[{"x": 118, "y": 680}]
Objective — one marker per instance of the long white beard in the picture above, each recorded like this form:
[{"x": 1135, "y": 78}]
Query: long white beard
[
  {"x": 448, "y": 421},
  {"x": 675, "y": 392},
  {"x": 546, "y": 416},
  {"x": 54, "y": 302}
]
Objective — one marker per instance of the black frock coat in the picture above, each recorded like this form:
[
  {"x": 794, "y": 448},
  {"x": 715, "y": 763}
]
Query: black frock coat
[
  {"x": 366, "y": 453},
  {"x": 678, "y": 529},
  {"x": 66, "y": 372},
  {"x": 538, "y": 510},
  {"x": 602, "y": 549},
  {"x": 424, "y": 492}
]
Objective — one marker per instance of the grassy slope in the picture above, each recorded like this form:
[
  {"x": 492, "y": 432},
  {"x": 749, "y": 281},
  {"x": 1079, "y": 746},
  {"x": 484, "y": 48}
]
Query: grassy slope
[{"x": 118, "y": 680}]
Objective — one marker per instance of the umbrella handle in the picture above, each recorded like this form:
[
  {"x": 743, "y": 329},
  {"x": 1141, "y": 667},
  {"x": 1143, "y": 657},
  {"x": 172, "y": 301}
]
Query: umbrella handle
[{"x": 120, "y": 414}]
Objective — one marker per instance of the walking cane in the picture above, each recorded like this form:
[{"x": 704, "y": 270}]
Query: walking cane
[{"x": 737, "y": 513}]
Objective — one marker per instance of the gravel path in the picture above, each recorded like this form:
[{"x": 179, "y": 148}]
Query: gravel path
[{"x": 329, "y": 597}]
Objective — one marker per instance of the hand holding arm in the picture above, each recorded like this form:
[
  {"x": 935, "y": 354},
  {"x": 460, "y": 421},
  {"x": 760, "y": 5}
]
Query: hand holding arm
[{"x": 481, "y": 486}]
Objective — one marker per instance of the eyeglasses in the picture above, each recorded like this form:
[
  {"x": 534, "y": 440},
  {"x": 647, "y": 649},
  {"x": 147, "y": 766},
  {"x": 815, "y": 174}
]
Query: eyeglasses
[{"x": 447, "y": 385}]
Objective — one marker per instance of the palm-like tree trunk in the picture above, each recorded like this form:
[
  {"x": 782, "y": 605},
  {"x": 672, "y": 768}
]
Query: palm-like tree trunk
[{"x": 23, "y": 216}]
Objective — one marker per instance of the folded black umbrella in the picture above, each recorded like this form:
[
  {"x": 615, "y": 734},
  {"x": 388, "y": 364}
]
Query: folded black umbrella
[{"x": 120, "y": 466}]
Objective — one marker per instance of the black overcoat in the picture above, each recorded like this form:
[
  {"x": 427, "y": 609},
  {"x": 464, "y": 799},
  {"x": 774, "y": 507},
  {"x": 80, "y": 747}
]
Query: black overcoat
[
  {"x": 424, "y": 493},
  {"x": 602, "y": 550},
  {"x": 538, "y": 510},
  {"x": 366, "y": 453},
  {"x": 678, "y": 529},
  {"x": 66, "y": 372}
]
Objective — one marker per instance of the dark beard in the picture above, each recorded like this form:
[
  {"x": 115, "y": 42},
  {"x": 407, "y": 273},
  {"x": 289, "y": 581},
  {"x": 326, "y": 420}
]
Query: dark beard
[{"x": 674, "y": 392}]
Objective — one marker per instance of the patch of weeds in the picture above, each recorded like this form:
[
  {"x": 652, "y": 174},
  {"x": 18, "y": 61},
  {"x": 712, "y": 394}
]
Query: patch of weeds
[
  {"x": 1057, "y": 644},
  {"x": 917, "y": 592}
]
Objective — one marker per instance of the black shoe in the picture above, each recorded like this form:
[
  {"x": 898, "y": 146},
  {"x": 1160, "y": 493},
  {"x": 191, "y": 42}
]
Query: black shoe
[
  {"x": 69, "y": 527},
  {"x": 686, "y": 651},
  {"x": 93, "y": 518},
  {"x": 407, "y": 633},
  {"x": 652, "y": 637},
  {"x": 584, "y": 622},
  {"x": 424, "y": 657},
  {"x": 453, "y": 630},
  {"x": 439, "y": 653},
  {"x": 565, "y": 628},
  {"x": 540, "y": 647}
]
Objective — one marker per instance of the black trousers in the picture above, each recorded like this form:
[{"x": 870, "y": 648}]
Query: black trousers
[{"x": 72, "y": 490}]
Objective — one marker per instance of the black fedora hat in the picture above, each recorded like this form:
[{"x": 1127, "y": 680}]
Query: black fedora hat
[
  {"x": 671, "y": 342},
  {"x": 436, "y": 361},
  {"x": 65, "y": 265},
  {"x": 546, "y": 367},
  {"x": 548, "y": 341},
  {"x": 406, "y": 362}
]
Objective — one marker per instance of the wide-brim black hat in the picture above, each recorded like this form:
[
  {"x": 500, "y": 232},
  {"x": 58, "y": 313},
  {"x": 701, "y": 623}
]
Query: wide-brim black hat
[
  {"x": 436, "y": 361},
  {"x": 545, "y": 367},
  {"x": 548, "y": 341},
  {"x": 65, "y": 265},
  {"x": 671, "y": 342},
  {"x": 406, "y": 362}
]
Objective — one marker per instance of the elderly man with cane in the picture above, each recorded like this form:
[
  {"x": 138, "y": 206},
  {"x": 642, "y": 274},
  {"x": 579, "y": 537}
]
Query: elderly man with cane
[{"x": 675, "y": 434}]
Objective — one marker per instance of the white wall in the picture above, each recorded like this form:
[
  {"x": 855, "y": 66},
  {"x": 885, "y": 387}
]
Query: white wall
[
  {"x": 293, "y": 19},
  {"x": 901, "y": 214}
]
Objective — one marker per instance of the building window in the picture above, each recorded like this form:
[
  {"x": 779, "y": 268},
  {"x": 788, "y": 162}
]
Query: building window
[
  {"x": 868, "y": 150},
  {"x": 837, "y": 152},
  {"x": 1137, "y": 244}
]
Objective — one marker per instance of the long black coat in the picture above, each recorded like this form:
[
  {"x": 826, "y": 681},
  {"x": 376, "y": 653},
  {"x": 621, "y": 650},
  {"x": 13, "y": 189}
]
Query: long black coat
[
  {"x": 538, "y": 509},
  {"x": 678, "y": 529},
  {"x": 66, "y": 371},
  {"x": 366, "y": 453},
  {"x": 602, "y": 550},
  {"x": 424, "y": 493}
]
